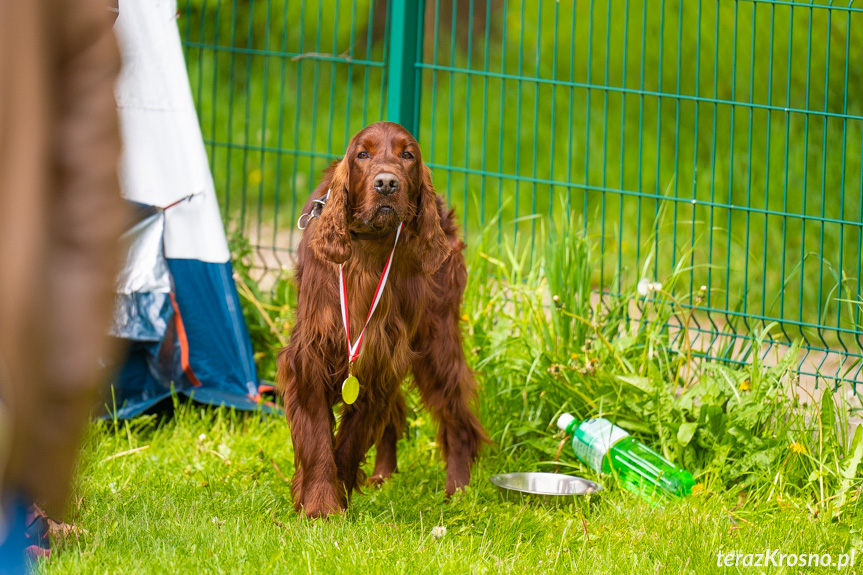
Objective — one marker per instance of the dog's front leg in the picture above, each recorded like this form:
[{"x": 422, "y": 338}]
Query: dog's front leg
[
  {"x": 447, "y": 388},
  {"x": 314, "y": 487}
]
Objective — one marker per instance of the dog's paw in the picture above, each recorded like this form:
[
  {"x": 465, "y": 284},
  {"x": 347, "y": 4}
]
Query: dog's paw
[
  {"x": 326, "y": 513},
  {"x": 456, "y": 483},
  {"x": 322, "y": 510},
  {"x": 322, "y": 502},
  {"x": 377, "y": 480}
]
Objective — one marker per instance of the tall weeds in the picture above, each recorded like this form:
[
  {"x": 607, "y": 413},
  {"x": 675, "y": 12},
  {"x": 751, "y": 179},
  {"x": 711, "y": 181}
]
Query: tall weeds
[{"x": 543, "y": 341}]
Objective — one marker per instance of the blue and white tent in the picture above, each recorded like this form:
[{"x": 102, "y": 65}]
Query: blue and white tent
[{"x": 177, "y": 304}]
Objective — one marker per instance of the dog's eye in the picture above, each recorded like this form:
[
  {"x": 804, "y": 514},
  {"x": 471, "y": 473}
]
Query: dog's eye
[
  {"x": 363, "y": 155},
  {"x": 407, "y": 156}
]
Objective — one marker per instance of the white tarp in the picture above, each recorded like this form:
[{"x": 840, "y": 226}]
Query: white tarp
[{"x": 164, "y": 158}]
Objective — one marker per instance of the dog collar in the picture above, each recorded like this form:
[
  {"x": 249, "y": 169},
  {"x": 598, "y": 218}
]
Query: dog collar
[{"x": 315, "y": 212}]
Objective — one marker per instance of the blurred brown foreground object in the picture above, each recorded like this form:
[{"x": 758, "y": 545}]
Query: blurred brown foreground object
[{"x": 61, "y": 216}]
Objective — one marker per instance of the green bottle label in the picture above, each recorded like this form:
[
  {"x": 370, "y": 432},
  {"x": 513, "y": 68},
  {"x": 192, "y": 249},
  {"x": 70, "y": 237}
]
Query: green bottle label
[{"x": 593, "y": 438}]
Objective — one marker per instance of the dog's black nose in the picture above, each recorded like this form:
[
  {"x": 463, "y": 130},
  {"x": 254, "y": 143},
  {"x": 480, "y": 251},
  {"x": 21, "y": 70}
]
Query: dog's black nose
[{"x": 386, "y": 183}]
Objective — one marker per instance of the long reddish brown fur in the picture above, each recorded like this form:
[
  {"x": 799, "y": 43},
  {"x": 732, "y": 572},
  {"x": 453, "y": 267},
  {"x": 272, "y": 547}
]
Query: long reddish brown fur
[{"x": 415, "y": 328}]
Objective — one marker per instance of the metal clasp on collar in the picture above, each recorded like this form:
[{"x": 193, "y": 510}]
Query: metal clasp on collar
[{"x": 317, "y": 208}]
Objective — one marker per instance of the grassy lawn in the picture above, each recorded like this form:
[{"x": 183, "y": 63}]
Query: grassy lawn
[
  {"x": 208, "y": 490},
  {"x": 205, "y": 495}
]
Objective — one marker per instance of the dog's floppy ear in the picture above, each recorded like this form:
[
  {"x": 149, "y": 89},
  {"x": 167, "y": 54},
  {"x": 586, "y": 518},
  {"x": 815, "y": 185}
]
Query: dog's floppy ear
[
  {"x": 435, "y": 248},
  {"x": 332, "y": 238}
]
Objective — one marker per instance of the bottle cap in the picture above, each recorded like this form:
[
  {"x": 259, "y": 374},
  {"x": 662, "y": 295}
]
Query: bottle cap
[{"x": 564, "y": 420}]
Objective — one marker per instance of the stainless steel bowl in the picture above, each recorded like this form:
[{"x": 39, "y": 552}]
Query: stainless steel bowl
[{"x": 554, "y": 488}]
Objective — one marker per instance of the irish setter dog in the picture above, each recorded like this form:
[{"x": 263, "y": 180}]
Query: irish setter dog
[{"x": 380, "y": 183}]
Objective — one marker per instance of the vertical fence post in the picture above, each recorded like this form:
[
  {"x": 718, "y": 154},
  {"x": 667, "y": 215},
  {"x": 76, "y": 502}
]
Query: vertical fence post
[{"x": 405, "y": 46}]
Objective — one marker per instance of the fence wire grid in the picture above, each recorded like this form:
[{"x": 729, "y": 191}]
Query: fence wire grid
[{"x": 721, "y": 136}]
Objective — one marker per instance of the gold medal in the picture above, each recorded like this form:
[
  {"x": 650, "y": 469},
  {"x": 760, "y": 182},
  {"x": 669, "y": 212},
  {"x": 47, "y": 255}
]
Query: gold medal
[{"x": 350, "y": 389}]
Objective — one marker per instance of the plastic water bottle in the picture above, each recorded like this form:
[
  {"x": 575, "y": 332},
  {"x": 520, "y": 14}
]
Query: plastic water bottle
[{"x": 606, "y": 448}]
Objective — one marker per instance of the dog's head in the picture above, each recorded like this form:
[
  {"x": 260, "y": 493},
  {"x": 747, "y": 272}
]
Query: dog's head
[{"x": 380, "y": 182}]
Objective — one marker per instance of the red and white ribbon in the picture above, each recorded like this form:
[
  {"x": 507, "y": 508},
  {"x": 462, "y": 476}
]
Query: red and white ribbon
[{"x": 354, "y": 350}]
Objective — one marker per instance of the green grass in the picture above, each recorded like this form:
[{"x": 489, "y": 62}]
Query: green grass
[
  {"x": 209, "y": 489},
  {"x": 205, "y": 496}
]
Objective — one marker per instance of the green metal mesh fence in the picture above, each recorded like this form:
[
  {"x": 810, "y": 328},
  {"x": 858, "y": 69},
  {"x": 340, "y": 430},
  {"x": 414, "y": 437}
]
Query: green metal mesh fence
[{"x": 720, "y": 137}]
